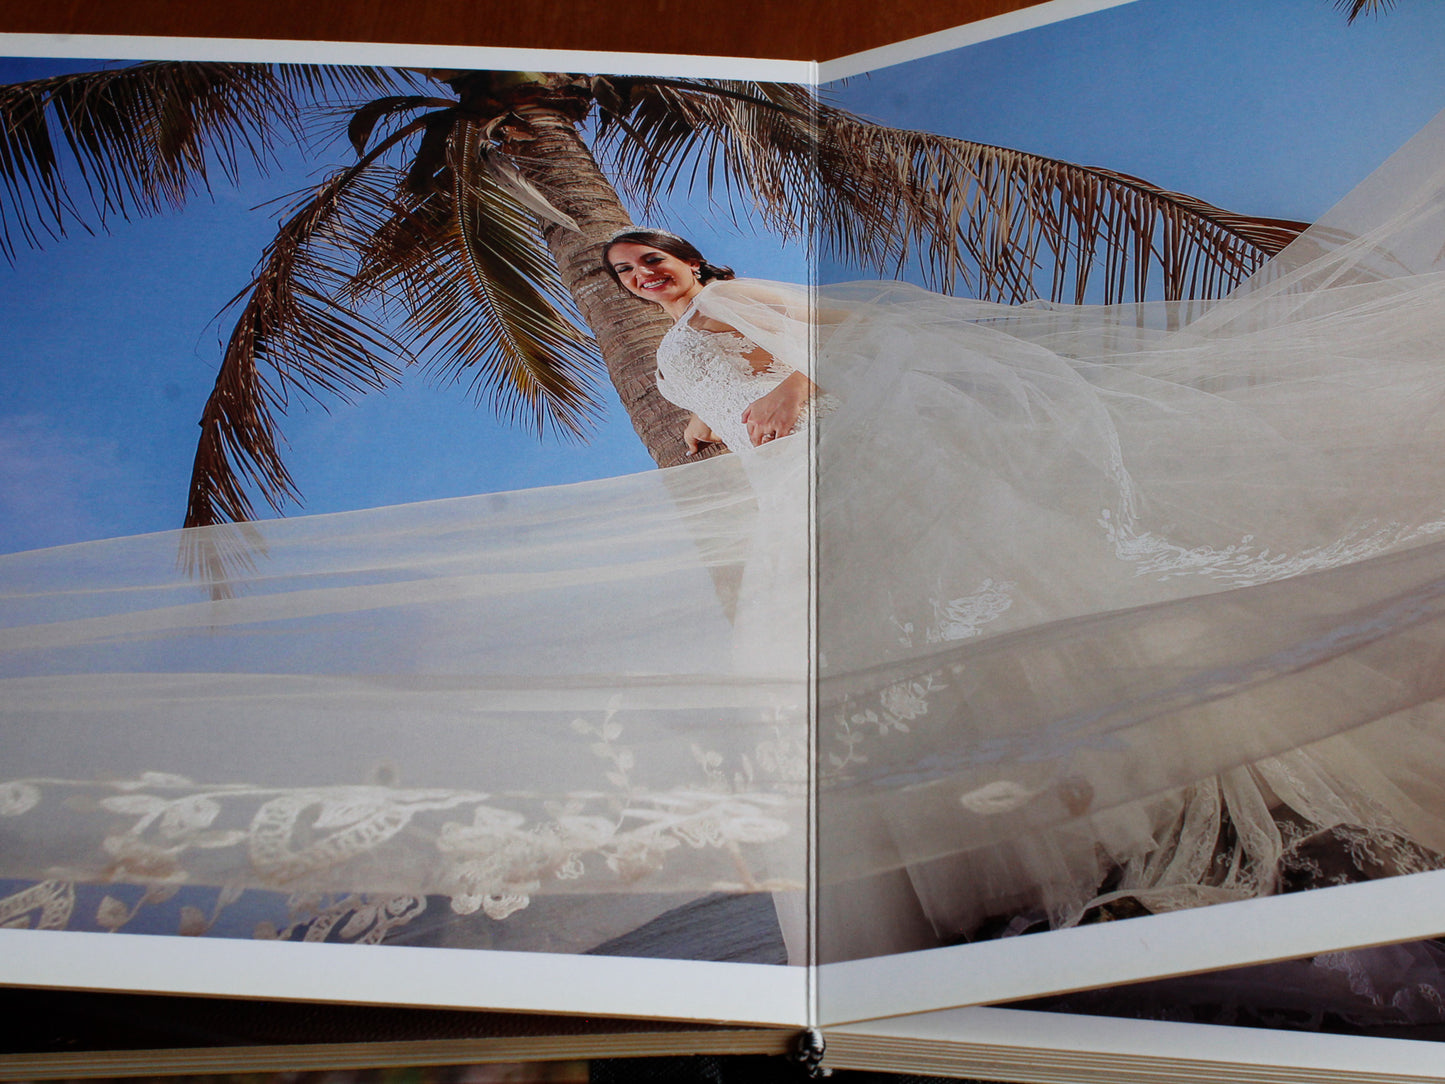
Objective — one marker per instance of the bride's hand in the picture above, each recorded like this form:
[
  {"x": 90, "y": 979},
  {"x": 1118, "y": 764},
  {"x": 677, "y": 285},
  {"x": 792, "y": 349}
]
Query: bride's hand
[
  {"x": 775, "y": 414},
  {"x": 696, "y": 433}
]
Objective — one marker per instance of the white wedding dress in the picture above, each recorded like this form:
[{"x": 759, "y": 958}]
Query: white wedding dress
[
  {"x": 1118, "y": 609},
  {"x": 1091, "y": 610}
]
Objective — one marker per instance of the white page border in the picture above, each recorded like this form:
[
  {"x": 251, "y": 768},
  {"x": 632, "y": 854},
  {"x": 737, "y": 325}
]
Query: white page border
[
  {"x": 1040, "y": 1043},
  {"x": 1012, "y": 22},
  {"x": 1210, "y": 938},
  {"x": 406, "y": 976}
]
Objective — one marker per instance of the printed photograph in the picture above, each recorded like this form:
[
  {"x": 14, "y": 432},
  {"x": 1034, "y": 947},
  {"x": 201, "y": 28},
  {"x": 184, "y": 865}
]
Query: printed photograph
[
  {"x": 1151, "y": 550},
  {"x": 414, "y": 714}
]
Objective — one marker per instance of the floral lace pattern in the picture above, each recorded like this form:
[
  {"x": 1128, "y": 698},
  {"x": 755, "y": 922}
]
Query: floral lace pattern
[
  {"x": 958, "y": 618},
  {"x": 44, "y": 906},
  {"x": 1247, "y": 562},
  {"x": 488, "y": 852},
  {"x": 860, "y": 720}
]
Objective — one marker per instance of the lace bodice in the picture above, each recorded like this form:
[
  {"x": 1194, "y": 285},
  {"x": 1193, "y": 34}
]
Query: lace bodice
[{"x": 712, "y": 374}]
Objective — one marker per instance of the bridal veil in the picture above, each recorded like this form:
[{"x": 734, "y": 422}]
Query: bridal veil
[{"x": 1082, "y": 604}]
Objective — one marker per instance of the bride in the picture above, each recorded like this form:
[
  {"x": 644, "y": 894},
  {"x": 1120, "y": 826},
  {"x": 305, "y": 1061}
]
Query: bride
[
  {"x": 704, "y": 364},
  {"x": 1093, "y": 611}
]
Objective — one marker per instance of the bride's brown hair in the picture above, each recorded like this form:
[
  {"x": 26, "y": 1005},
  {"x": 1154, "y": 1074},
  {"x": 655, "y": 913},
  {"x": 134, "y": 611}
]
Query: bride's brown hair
[{"x": 670, "y": 243}]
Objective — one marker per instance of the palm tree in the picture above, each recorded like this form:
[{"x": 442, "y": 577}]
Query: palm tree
[{"x": 465, "y": 233}]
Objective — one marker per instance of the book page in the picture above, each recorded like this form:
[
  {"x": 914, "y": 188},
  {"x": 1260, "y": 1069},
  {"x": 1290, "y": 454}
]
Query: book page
[
  {"x": 436, "y": 700},
  {"x": 1140, "y": 681},
  {"x": 1009, "y": 1041}
]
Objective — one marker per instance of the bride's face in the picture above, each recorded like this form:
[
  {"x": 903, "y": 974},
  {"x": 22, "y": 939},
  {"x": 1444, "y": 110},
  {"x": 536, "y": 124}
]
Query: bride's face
[{"x": 656, "y": 275}]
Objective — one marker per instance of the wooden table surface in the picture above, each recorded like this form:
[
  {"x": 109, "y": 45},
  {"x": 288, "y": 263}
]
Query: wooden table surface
[{"x": 780, "y": 29}]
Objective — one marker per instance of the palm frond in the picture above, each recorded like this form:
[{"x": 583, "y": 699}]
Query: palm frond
[
  {"x": 78, "y": 149},
  {"x": 1004, "y": 224},
  {"x": 1013, "y": 226},
  {"x": 731, "y": 138},
  {"x": 364, "y": 120},
  {"x": 483, "y": 300},
  {"x": 507, "y": 177},
  {"x": 293, "y": 335},
  {"x": 346, "y": 83},
  {"x": 220, "y": 554},
  {"x": 1355, "y": 8}
]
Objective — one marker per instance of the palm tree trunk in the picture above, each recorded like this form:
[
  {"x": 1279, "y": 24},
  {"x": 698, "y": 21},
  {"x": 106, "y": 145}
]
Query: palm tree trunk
[{"x": 628, "y": 329}]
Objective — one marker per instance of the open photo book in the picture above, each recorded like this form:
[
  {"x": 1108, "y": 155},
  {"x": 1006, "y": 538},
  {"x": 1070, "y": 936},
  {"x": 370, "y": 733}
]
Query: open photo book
[{"x": 740, "y": 548}]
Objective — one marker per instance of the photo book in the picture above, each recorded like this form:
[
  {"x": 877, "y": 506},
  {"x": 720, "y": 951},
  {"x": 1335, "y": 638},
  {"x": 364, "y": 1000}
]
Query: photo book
[{"x": 927, "y": 561}]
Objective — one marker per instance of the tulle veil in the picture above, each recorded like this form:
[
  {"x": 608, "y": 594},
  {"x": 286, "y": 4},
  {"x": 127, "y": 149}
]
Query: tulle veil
[{"x": 1061, "y": 606}]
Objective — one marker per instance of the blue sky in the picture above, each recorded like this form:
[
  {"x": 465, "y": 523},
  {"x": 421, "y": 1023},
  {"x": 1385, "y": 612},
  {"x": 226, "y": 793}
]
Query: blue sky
[
  {"x": 1270, "y": 107},
  {"x": 109, "y": 346}
]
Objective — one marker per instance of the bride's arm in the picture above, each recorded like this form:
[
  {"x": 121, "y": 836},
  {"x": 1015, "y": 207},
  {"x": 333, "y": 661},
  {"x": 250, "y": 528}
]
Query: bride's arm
[
  {"x": 697, "y": 433},
  {"x": 775, "y": 414},
  {"x": 781, "y": 321}
]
